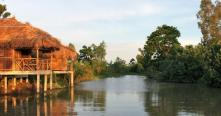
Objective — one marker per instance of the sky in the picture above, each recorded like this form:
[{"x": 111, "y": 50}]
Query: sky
[{"x": 123, "y": 24}]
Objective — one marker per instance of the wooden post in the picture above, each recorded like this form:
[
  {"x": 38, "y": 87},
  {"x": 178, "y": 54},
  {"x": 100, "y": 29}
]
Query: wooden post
[
  {"x": 37, "y": 61},
  {"x": 38, "y": 83},
  {"x": 51, "y": 68},
  {"x": 5, "y": 85},
  {"x": 72, "y": 79},
  {"x": 5, "y": 104},
  {"x": 51, "y": 106},
  {"x": 51, "y": 80},
  {"x": 51, "y": 75},
  {"x": 45, "y": 108},
  {"x": 14, "y": 83},
  {"x": 27, "y": 105},
  {"x": 14, "y": 102},
  {"x": 37, "y": 68},
  {"x": 13, "y": 59},
  {"x": 21, "y": 103},
  {"x": 20, "y": 79},
  {"x": 26, "y": 80},
  {"x": 38, "y": 107},
  {"x": 72, "y": 96},
  {"x": 45, "y": 82}
]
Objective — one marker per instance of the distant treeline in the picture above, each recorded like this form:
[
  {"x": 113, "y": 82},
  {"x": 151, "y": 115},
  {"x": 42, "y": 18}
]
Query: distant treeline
[{"x": 163, "y": 58}]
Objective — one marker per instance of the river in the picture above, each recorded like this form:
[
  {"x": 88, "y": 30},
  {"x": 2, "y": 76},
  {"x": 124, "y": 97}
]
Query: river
[{"x": 123, "y": 96}]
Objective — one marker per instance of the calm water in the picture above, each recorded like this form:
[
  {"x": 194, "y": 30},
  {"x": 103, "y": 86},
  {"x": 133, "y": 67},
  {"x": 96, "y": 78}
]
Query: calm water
[{"x": 125, "y": 96}]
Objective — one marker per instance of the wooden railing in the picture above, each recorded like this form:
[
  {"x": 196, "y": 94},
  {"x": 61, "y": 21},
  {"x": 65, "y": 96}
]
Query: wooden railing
[
  {"x": 32, "y": 64},
  {"x": 24, "y": 64}
]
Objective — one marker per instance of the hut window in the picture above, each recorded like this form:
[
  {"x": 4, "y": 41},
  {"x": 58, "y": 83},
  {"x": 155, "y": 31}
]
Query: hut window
[{"x": 25, "y": 53}]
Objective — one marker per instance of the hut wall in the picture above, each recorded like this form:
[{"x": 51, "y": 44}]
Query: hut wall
[
  {"x": 6, "y": 59},
  {"x": 59, "y": 64},
  {"x": 60, "y": 59}
]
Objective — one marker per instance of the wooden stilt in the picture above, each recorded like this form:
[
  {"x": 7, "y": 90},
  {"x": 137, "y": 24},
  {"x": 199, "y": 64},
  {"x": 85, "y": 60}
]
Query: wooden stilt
[
  {"x": 45, "y": 83},
  {"x": 51, "y": 107},
  {"x": 13, "y": 59},
  {"x": 21, "y": 80},
  {"x": 14, "y": 102},
  {"x": 5, "y": 104},
  {"x": 27, "y": 105},
  {"x": 5, "y": 85},
  {"x": 14, "y": 83},
  {"x": 26, "y": 80},
  {"x": 72, "y": 95},
  {"x": 45, "y": 108},
  {"x": 51, "y": 80},
  {"x": 38, "y": 109},
  {"x": 72, "y": 79},
  {"x": 21, "y": 103},
  {"x": 27, "y": 99},
  {"x": 38, "y": 83}
]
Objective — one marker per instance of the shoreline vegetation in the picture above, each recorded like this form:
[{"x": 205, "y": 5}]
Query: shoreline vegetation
[{"x": 162, "y": 58}]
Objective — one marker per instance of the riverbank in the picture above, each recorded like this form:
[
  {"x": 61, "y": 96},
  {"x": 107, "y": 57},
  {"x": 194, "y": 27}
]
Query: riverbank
[{"x": 107, "y": 75}]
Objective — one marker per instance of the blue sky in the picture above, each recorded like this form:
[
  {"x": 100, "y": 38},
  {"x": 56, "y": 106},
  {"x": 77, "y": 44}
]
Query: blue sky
[{"x": 122, "y": 24}]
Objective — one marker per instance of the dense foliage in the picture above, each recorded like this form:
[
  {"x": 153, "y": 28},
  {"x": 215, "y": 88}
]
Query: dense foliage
[{"x": 162, "y": 57}]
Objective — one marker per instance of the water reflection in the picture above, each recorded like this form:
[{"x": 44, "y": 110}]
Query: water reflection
[
  {"x": 129, "y": 95},
  {"x": 60, "y": 103},
  {"x": 165, "y": 99}
]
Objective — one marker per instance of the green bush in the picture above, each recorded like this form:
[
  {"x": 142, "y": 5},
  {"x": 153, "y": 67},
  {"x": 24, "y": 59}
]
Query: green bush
[{"x": 83, "y": 70}]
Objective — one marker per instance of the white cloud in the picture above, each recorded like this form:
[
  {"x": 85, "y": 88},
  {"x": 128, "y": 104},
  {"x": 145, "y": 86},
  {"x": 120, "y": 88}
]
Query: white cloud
[{"x": 101, "y": 14}]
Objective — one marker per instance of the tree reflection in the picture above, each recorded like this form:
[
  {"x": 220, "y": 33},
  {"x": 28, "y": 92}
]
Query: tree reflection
[
  {"x": 92, "y": 99},
  {"x": 165, "y": 99}
]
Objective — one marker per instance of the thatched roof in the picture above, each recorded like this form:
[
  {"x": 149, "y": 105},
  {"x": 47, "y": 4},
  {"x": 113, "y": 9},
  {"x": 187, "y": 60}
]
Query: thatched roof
[{"x": 17, "y": 35}]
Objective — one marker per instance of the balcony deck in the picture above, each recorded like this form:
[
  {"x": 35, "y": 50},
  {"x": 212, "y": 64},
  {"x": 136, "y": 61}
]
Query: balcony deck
[{"x": 16, "y": 67}]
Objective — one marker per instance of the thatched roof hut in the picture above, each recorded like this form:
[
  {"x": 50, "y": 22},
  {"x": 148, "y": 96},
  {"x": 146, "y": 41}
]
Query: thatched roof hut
[
  {"x": 25, "y": 38},
  {"x": 17, "y": 35}
]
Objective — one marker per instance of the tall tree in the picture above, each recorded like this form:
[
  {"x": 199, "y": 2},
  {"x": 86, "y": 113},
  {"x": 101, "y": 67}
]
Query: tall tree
[
  {"x": 216, "y": 23},
  {"x": 160, "y": 42},
  {"x": 205, "y": 23},
  {"x": 3, "y": 12},
  {"x": 99, "y": 51},
  {"x": 86, "y": 54}
]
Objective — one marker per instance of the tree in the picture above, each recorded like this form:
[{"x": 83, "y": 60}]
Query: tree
[
  {"x": 99, "y": 51},
  {"x": 86, "y": 54},
  {"x": 119, "y": 66},
  {"x": 160, "y": 42},
  {"x": 216, "y": 23},
  {"x": 3, "y": 12},
  {"x": 132, "y": 61},
  {"x": 209, "y": 22},
  {"x": 95, "y": 56}
]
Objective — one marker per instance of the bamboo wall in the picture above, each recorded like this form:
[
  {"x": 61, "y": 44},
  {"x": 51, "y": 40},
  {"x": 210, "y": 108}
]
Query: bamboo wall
[{"x": 5, "y": 59}]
